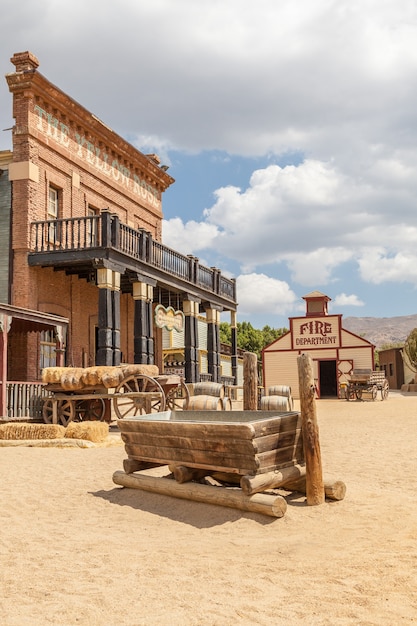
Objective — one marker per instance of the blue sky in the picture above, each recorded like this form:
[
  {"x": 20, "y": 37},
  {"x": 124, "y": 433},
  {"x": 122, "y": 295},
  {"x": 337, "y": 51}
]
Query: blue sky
[{"x": 290, "y": 128}]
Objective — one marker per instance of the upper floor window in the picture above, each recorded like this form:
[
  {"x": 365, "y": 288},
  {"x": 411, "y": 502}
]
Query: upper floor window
[
  {"x": 53, "y": 212},
  {"x": 91, "y": 226}
]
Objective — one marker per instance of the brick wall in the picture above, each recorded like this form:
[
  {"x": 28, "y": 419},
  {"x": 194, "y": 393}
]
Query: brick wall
[{"x": 70, "y": 149}]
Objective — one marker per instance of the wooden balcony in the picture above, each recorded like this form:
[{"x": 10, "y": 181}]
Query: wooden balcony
[{"x": 82, "y": 244}]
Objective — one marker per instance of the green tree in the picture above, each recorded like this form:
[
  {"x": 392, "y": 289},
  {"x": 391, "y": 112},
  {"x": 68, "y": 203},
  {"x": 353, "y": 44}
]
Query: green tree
[
  {"x": 249, "y": 338},
  {"x": 410, "y": 349}
]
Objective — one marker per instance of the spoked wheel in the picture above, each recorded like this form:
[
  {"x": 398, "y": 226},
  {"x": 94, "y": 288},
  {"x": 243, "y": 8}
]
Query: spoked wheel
[
  {"x": 93, "y": 409},
  {"x": 385, "y": 390},
  {"x": 138, "y": 395},
  {"x": 374, "y": 392},
  {"x": 177, "y": 397},
  {"x": 64, "y": 409},
  {"x": 358, "y": 394},
  {"x": 350, "y": 393}
]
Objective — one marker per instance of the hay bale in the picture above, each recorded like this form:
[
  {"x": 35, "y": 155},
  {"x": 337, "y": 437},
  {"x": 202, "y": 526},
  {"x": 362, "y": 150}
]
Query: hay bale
[
  {"x": 112, "y": 377},
  {"x": 96, "y": 432},
  {"x": 52, "y": 375},
  {"x": 91, "y": 376},
  {"x": 31, "y": 431},
  {"x": 140, "y": 369},
  {"x": 71, "y": 379}
]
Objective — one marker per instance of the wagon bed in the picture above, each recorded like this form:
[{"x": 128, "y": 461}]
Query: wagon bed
[
  {"x": 88, "y": 393},
  {"x": 367, "y": 382}
]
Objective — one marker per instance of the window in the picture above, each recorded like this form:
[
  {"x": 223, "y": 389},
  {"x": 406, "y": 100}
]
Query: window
[
  {"x": 53, "y": 213},
  {"x": 47, "y": 349},
  {"x": 91, "y": 227}
]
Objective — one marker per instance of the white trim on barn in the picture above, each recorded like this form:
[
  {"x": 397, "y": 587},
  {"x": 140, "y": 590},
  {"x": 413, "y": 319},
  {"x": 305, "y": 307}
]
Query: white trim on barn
[{"x": 334, "y": 350}]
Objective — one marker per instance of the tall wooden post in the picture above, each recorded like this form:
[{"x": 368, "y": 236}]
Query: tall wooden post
[
  {"x": 233, "y": 324},
  {"x": 314, "y": 476},
  {"x": 5, "y": 322},
  {"x": 250, "y": 381}
]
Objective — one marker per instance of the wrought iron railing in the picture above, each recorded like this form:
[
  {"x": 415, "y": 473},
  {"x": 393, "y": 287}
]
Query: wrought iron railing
[{"x": 106, "y": 231}]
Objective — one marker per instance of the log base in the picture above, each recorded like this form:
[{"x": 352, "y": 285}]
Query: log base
[{"x": 274, "y": 506}]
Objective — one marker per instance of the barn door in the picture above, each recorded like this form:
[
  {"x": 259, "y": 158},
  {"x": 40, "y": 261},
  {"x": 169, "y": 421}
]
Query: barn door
[{"x": 327, "y": 379}]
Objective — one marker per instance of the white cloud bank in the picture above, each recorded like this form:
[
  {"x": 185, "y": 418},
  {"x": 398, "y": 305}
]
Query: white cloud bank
[{"x": 334, "y": 82}]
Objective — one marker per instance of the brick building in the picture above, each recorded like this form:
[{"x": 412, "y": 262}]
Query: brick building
[{"x": 81, "y": 217}]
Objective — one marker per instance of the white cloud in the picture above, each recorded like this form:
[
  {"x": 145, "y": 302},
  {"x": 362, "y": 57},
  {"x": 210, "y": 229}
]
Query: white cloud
[
  {"x": 342, "y": 299},
  {"x": 258, "y": 293},
  {"x": 190, "y": 237},
  {"x": 333, "y": 82},
  {"x": 315, "y": 268},
  {"x": 378, "y": 266}
]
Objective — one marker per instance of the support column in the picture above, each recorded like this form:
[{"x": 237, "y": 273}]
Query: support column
[
  {"x": 108, "y": 347},
  {"x": 5, "y": 323},
  {"x": 61, "y": 337},
  {"x": 116, "y": 320},
  {"x": 233, "y": 325},
  {"x": 143, "y": 340},
  {"x": 192, "y": 369},
  {"x": 213, "y": 343}
]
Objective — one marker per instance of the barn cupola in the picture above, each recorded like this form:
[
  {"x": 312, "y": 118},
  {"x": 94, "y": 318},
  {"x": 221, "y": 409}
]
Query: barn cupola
[{"x": 316, "y": 304}]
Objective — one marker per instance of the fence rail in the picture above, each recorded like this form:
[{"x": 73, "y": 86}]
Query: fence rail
[{"x": 25, "y": 399}]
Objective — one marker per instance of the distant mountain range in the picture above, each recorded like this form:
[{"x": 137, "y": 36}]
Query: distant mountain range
[{"x": 381, "y": 331}]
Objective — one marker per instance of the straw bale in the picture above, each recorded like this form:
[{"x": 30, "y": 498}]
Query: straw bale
[
  {"x": 112, "y": 377},
  {"x": 71, "y": 379},
  {"x": 140, "y": 369},
  {"x": 91, "y": 431},
  {"x": 91, "y": 376},
  {"x": 31, "y": 431},
  {"x": 52, "y": 375}
]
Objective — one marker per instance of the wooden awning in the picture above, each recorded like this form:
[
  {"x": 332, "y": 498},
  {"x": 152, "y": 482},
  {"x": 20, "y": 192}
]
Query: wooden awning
[{"x": 26, "y": 320}]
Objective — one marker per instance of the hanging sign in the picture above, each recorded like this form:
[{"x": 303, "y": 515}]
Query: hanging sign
[{"x": 168, "y": 318}]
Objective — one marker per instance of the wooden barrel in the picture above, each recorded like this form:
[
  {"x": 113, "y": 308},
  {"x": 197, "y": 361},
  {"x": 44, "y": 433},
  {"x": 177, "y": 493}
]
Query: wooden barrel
[
  {"x": 208, "y": 389},
  {"x": 274, "y": 403},
  {"x": 280, "y": 390},
  {"x": 205, "y": 403},
  {"x": 227, "y": 404}
]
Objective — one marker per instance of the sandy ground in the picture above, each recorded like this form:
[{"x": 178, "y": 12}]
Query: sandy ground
[{"x": 77, "y": 549}]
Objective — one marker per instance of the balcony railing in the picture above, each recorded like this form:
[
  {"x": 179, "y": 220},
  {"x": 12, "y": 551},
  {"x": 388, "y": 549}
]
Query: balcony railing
[{"x": 106, "y": 231}]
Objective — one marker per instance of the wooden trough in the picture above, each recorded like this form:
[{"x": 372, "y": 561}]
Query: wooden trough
[{"x": 251, "y": 451}]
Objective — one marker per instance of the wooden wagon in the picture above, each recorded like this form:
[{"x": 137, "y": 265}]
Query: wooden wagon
[
  {"x": 89, "y": 393},
  {"x": 366, "y": 382}
]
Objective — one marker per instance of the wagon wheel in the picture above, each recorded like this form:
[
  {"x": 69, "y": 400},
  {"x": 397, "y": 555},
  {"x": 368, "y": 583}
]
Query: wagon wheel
[
  {"x": 385, "y": 390},
  {"x": 137, "y": 395},
  {"x": 178, "y": 397},
  {"x": 358, "y": 393},
  {"x": 374, "y": 391},
  {"x": 349, "y": 393},
  {"x": 64, "y": 409},
  {"x": 93, "y": 409}
]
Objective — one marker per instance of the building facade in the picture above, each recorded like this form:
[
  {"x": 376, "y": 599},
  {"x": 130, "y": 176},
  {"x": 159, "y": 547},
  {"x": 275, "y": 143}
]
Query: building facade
[
  {"x": 81, "y": 227},
  {"x": 335, "y": 352}
]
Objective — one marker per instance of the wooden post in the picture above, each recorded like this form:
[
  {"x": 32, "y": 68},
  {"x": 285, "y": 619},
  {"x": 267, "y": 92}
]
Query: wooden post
[
  {"x": 250, "y": 382},
  {"x": 314, "y": 477},
  {"x": 275, "y": 506},
  {"x": 271, "y": 480},
  {"x": 333, "y": 489}
]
